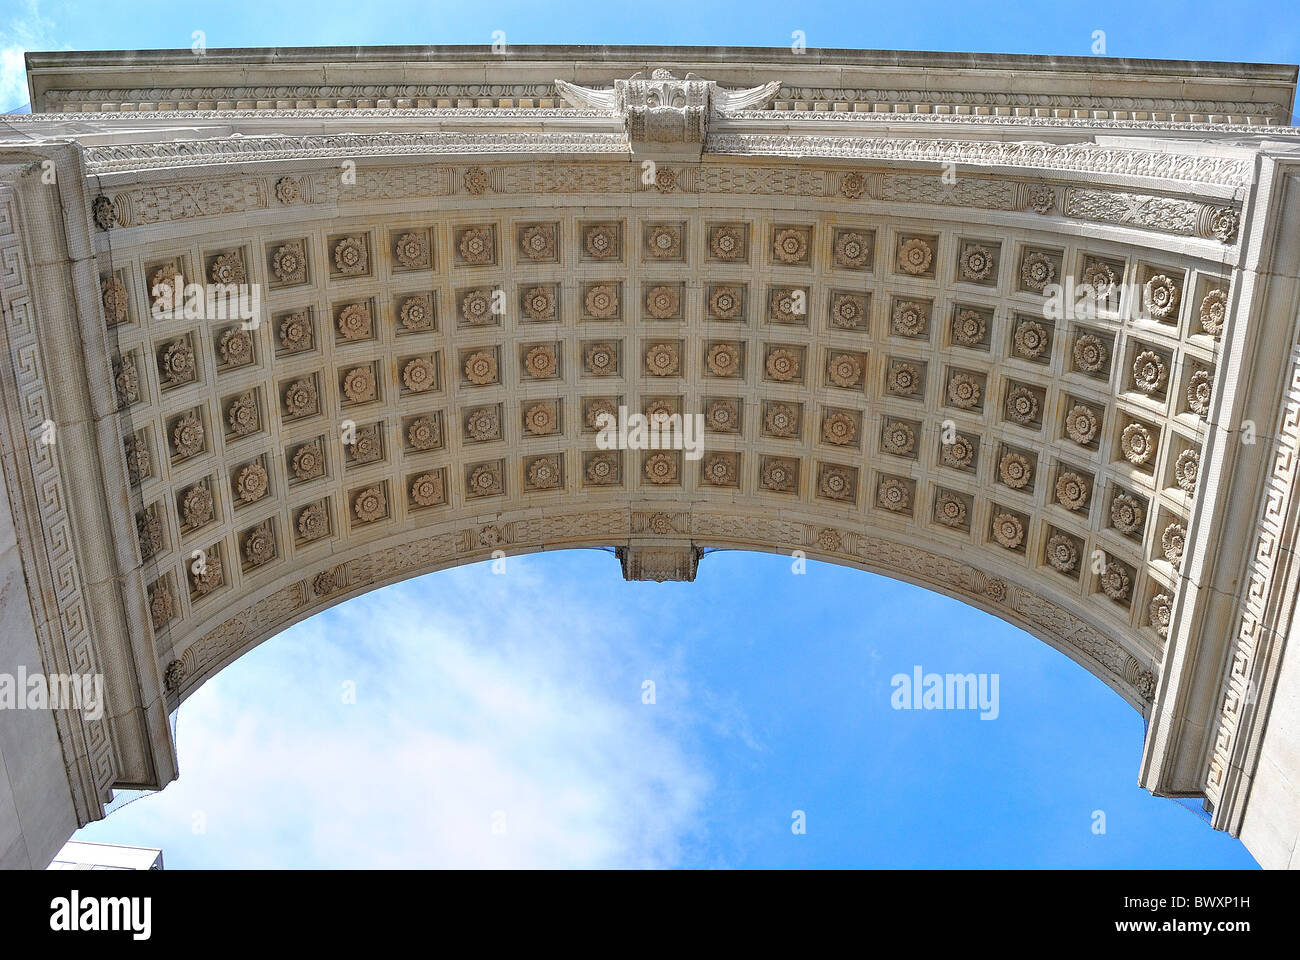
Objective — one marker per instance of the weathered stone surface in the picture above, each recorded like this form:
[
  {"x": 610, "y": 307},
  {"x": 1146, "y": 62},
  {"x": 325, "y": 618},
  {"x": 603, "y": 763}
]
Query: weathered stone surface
[{"x": 855, "y": 292}]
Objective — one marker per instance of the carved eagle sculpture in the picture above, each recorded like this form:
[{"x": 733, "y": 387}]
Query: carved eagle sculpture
[{"x": 664, "y": 108}]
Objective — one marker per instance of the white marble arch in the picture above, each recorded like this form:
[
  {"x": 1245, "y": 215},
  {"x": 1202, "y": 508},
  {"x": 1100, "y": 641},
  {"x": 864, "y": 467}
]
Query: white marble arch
[{"x": 1174, "y": 176}]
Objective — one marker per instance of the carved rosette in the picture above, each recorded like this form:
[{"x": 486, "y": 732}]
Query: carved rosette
[
  {"x": 427, "y": 489},
  {"x": 411, "y": 250},
  {"x": 1160, "y": 613},
  {"x": 177, "y": 364},
  {"x": 723, "y": 360},
  {"x": 722, "y": 416},
  {"x": 351, "y": 256},
  {"x": 894, "y": 495},
  {"x": 242, "y": 416},
  {"x": 537, "y": 242},
  {"x": 162, "y": 607},
  {"x": 968, "y": 328},
  {"x": 259, "y": 545},
  {"x": 663, "y": 360},
  {"x": 1160, "y": 296},
  {"x": 950, "y": 510},
  {"x": 1126, "y": 514},
  {"x": 1115, "y": 582},
  {"x": 915, "y": 257},
  {"x": 1198, "y": 392},
  {"x": 976, "y": 263},
  {"x": 235, "y": 348},
  {"x": 300, "y": 398},
  {"x": 1149, "y": 371},
  {"x": 1037, "y": 271},
  {"x": 289, "y": 263},
  {"x": 544, "y": 472},
  {"x": 313, "y": 522},
  {"x": 601, "y": 301},
  {"x": 964, "y": 391},
  {"x": 228, "y": 268},
  {"x": 782, "y": 365},
  {"x": 354, "y": 322},
  {"x": 1072, "y": 490},
  {"x": 197, "y": 507},
  {"x": 837, "y": 483},
  {"x": 483, "y": 424},
  {"x": 1031, "y": 339},
  {"x": 1137, "y": 444},
  {"x": 308, "y": 461},
  {"x": 287, "y": 190},
  {"x": 1186, "y": 469},
  {"x": 1081, "y": 424},
  {"x": 1008, "y": 530},
  {"x": 910, "y": 318},
  {"x": 295, "y": 332},
  {"x": 359, "y": 384},
  {"x": 475, "y": 181},
  {"x": 839, "y": 428},
  {"x": 541, "y": 363},
  {"x": 660, "y": 468},
  {"x": 369, "y": 505},
  {"x": 662, "y": 302},
  {"x": 1062, "y": 553},
  {"x": 852, "y": 250},
  {"x": 1015, "y": 470},
  {"x": 848, "y": 310},
  {"x": 720, "y": 470},
  {"x": 251, "y": 483},
  {"x": 113, "y": 298},
  {"x": 959, "y": 454},
  {"x": 1022, "y": 405},
  {"x": 419, "y": 374},
  {"x": 1213, "y": 312},
  {"x": 485, "y": 480},
  {"x": 844, "y": 370},
  {"x": 781, "y": 420},
  {"x": 187, "y": 435},
  {"x": 1089, "y": 353},
  {"x": 602, "y": 469},
  {"x": 423, "y": 433},
  {"x": 898, "y": 438},
  {"x": 727, "y": 243},
  {"x": 206, "y": 574},
  {"x": 779, "y": 474}
]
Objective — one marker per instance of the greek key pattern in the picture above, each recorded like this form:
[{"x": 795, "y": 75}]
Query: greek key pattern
[
  {"x": 62, "y": 621},
  {"x": 1251, "y": 632}
]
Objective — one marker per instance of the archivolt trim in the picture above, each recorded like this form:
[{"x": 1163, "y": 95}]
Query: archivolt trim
[{"x": 369, "y": 567}]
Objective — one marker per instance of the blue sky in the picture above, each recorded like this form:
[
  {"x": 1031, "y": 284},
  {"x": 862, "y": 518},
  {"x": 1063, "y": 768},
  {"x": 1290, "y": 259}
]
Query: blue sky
[
  {"x": 498, "y": 719},
  {"x": 515, "y": 699}
]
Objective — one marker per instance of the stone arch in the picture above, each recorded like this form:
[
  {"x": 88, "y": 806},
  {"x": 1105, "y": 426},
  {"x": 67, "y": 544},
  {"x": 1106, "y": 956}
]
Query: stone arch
[{"x": 858, "y": 298}]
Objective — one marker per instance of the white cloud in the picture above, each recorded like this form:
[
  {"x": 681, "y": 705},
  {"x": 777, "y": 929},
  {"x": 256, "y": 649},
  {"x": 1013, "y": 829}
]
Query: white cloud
[
  {"x": 478, "y": 696},
  {"x": 27, "y": 31}
]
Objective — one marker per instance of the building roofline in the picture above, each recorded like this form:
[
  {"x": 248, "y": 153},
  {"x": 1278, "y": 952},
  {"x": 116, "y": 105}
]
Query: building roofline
[{"x": 735, "y": 56}]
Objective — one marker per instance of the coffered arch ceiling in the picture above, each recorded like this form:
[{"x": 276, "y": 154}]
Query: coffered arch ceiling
[{"x": 880, "y": 385}]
